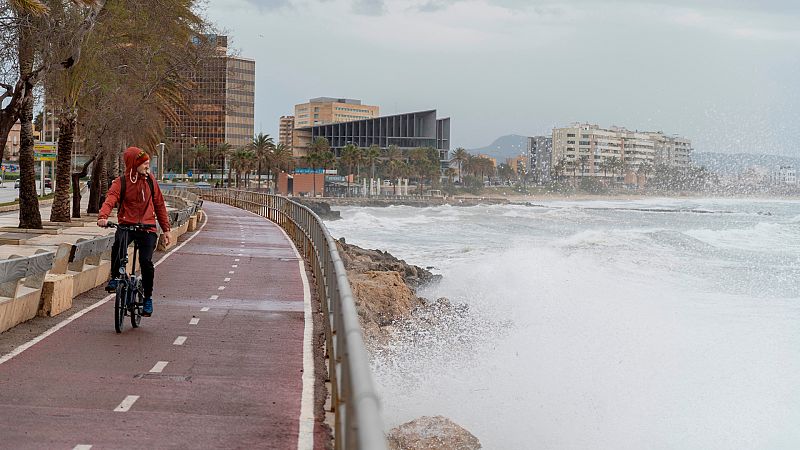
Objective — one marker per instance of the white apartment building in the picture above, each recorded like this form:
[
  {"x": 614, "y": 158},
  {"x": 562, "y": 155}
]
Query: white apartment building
[
  {"x": 784, "y": 175},
  {"x": 588, "y": 150}
]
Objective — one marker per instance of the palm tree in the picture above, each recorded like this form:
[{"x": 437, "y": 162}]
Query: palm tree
[
  {"x": 222, "y": 150},
  {"x": 262, "y": 147},
  {"x": 584, "y": 162},
  {"x": 460, "y": 156},
  {"x": 243, "y": 160},
  {"x": 370, "y": 155},
  {"x": 613, "y": 165},
  {"x": 282, "y": 159},
  {"x": 350, "y": 157}
]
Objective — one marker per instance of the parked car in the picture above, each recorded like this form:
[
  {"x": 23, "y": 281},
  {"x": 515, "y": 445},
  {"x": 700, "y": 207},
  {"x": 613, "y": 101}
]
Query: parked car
[
  {"x": 48, "y": 183},
  {"x": 16, "y": 183}
]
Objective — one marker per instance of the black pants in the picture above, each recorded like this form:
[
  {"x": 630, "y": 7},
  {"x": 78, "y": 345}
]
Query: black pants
[{"x": 147, "y": 244}]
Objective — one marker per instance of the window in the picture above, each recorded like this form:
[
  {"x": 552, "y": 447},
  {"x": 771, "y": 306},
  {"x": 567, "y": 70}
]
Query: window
[
  {"x": 585, "y": 136},
  {"x": 570, "y": 134}
]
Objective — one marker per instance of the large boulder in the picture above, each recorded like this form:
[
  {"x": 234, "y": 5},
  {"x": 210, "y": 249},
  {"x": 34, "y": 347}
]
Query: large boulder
[
  {"x": 382, "y": 298},
  {"x": 437, "y": 432},
  {"x": 359, "y": 260}
]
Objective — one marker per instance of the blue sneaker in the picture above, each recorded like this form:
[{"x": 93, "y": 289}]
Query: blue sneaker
[
  {"x": 112, "y": 285},
  {"x": 147, "y": 311}
]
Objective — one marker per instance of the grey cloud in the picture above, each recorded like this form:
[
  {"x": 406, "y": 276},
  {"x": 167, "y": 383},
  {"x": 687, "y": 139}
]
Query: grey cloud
[
  {"x": 433, "y": 6},
  {"x": 271, "y": 5},
  {"x": 369, "y": 7}
]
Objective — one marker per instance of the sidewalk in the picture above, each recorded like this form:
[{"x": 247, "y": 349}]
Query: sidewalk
[{"x": 219, "y": 365}]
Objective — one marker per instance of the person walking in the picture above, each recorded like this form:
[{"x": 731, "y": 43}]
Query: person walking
[{"x": 139, "y": 201}]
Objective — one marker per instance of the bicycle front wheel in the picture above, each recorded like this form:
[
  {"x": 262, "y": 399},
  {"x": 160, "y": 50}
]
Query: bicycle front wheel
[
  {"x": 137, "y": 304},
  {"x": 119, "y": 306}
]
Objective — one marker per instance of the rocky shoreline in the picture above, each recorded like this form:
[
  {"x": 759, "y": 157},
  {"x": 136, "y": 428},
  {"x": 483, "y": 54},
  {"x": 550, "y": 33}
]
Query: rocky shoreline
[{"x": 384, "y": 289}]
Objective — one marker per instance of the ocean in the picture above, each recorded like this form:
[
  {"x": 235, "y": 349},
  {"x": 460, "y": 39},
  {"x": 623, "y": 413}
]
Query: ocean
[{"x": 656, "y": 323}]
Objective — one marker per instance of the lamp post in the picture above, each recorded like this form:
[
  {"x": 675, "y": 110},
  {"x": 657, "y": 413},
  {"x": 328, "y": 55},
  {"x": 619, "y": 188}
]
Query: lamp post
[{"x": 161, "y": 158}]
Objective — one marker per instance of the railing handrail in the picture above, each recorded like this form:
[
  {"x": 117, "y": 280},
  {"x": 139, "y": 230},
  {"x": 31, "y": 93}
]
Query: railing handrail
[{"x": 355, "y": 401}]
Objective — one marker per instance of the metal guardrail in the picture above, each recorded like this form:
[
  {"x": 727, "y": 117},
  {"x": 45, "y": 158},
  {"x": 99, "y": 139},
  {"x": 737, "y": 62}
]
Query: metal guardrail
[{"x": 358, "y": 423}]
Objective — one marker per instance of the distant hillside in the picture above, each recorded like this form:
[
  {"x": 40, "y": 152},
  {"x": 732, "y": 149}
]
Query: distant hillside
[
  {"x": 504, "y": 147},
  {"x": 734, "y": 163}
]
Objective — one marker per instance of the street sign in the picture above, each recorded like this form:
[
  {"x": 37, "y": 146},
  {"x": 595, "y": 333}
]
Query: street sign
[{"x": 45, "y": 151}]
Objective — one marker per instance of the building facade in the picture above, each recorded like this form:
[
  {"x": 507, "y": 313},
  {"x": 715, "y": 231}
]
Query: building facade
[
  {"x": 784, "y": 175},
  {"x": 540, "y": 153},
  {"x": 328, "y": 110},
  {"x": 584, "y": 149},
  {"x": 221, "y": 109},
  {"x": 405, "y": 131},
  {"x": 286, "y": 130}
]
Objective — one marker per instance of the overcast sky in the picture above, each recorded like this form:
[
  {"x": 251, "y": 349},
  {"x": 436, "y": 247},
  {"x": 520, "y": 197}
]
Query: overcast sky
[{"x": 724, "y": 73}]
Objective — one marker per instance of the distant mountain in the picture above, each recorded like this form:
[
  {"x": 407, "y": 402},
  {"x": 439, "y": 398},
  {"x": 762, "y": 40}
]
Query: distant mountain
[
  {"x": 734, "y": 163},
  {"x": 509, "y": 146}
]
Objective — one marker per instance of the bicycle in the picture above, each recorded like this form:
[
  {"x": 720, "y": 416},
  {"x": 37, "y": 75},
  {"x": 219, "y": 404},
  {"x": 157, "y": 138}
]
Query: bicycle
[{"x": 130, "y": 293}]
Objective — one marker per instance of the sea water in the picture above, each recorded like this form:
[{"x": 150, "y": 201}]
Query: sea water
[{"x": 658, "y": 323}]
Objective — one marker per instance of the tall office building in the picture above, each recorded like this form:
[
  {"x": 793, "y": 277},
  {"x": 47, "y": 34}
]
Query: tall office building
[
  {"x": 286, "y": 128},
  {"x": 222, "y": 106},
  {"x": 540, "y": 152}
]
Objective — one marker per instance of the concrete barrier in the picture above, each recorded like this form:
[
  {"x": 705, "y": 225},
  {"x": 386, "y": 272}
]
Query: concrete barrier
[{"x": 21, "y": 281}]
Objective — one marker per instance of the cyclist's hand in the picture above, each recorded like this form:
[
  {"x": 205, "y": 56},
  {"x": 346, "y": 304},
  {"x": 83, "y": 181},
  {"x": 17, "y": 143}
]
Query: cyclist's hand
[
  {"x": 102, "y": 222},
  {"x": 167, "y": 238}
]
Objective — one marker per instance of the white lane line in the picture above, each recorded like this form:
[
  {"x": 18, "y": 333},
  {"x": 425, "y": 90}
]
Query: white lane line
[
  {"x": 227, "y": 279},
  {"x": 231, "y": 272},
  {"x": 127, "y": 403},
  {"x": 236, "y": 260},
  {"x": 180, "y": 340},
  {"x": 240, "y": 254},
  {"x": 194, "y": 321},
  {"x": 213, "y": 297},
  {"x": 159, "y": 367},
  {"x": 204, "y": 309},
  {"x": 234, "y": 265},
  {"x": 82, "y": 447},
  {"x": 77, "y": 315},
  {"x": 221, "y": 288}
]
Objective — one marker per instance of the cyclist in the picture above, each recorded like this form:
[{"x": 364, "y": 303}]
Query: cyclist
[{"x": 141, "y": 203}]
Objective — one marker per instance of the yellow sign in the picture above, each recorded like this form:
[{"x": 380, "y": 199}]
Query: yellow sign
[{"x": 45, "y": 147}]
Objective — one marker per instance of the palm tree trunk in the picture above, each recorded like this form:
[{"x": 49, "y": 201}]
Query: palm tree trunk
[
  {"x": 29, "y": 215},
  {"x": 60, "y": 209},
  {"x": 94, "y": 190}
]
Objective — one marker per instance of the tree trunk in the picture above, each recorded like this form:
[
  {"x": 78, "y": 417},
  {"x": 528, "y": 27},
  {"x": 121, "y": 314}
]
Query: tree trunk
[
  {"x": 97, "y": 179},
  {"x": 29, "y": 215},
  {"x": 60, "y": 210},
  {"x": 76, "y": 188}
]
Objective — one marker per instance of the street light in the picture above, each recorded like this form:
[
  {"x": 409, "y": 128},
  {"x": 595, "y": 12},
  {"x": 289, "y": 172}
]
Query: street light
[{"x": 161, "y": 158}]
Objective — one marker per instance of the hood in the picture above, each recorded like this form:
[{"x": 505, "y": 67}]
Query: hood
[{"x": 131, "y": 156}]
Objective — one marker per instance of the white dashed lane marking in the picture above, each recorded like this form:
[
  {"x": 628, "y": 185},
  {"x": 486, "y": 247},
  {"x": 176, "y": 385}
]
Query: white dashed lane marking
[
  {"x": 227, "y": 279},
  {"x": 82, "y": 447},
  {"x": 204, "y": 309},
  {"x": 236, "y": 260},
  {"x": 234, "y": 265},
  {"x": 159, "y": 367},
  {"x": 126, "y": 404},
  {"x": 221, "y": 288},
  {"x": 180, "y": 340},
  {"x": 213, "y": 297},
  {"x": 231, "y": 272},
  {"x": 194, "y": 321}
]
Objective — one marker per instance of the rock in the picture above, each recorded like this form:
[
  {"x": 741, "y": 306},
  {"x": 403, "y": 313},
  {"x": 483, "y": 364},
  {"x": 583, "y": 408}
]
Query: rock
[
  {"x": 437, "y": 432},
  {"x": 321, "y": 209},
  {"x": 382, "y": 298},
  {"x": 357, "y": 259}
]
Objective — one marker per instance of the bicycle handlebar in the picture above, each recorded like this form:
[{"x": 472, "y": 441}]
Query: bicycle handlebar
[{"x": 133, "y": 227}]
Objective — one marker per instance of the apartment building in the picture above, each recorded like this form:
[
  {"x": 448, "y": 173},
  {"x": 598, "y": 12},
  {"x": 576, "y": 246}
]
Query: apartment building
[
  {"x": 285, "y": 131},
  {"x": 785, "y": 175},
  {"x": 587, "y": 150},
  {"x": 328, "y": 110}
]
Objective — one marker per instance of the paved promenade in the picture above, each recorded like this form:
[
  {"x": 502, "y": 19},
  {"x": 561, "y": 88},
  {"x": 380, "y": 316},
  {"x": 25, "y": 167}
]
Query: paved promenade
[{"x": 219, "y": 365}]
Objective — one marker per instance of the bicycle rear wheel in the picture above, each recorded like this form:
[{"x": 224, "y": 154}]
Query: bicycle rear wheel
[
  {"x": 119, "y": 306},
  {"x": 137, "y": 304}
]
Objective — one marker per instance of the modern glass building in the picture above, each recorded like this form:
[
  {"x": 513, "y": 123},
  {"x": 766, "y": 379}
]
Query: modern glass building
[{"x": 406, "y": 131}]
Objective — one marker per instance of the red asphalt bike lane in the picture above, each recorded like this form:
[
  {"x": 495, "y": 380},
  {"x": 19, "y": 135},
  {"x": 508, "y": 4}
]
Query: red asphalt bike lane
[{"x": 235, "y": 382}]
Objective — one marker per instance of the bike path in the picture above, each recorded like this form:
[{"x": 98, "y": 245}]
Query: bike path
[{"x": 226, "y": 377}]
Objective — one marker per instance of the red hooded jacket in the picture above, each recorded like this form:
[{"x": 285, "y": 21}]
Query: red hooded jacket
[{"x": 138, "y": 206}]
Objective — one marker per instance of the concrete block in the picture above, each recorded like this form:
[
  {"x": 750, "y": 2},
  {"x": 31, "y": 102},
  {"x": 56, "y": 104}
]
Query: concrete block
[
  {"x": 192, "y": 223},
  {"x": 84, "y": 280},
  {"x": 103, "y": 272},
  {"x": 56, "y": 294},
  {"x": 23, "y": 307}
]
